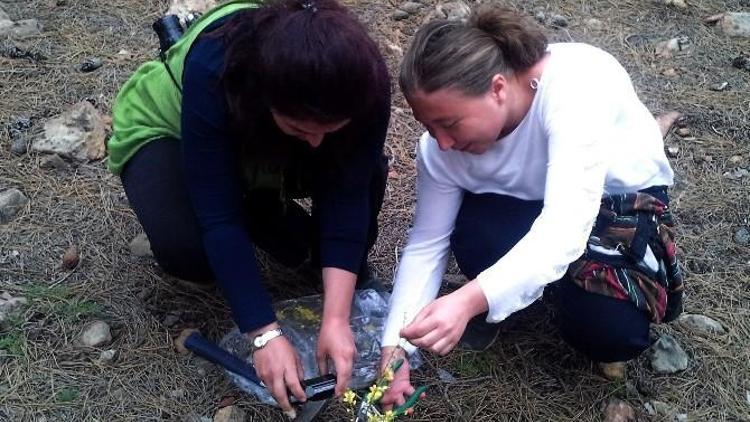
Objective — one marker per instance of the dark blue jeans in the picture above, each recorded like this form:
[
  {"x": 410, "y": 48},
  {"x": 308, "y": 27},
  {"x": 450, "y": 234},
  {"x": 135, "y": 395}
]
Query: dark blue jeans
[
  {"x": 603, "y": 328},
  {"x": 156, "y": 190}
]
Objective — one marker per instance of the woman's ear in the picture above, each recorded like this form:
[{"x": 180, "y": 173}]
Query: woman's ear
[{"x": 499, "y": 88}]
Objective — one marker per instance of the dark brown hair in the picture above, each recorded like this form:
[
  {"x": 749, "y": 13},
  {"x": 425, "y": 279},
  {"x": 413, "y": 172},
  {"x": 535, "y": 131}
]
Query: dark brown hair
[
  {"x": 306, "y": 59},
  {"x": 465, "y": 55}
]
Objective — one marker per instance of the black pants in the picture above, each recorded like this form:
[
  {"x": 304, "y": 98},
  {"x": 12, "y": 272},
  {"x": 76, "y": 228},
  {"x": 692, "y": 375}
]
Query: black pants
[
  {"x": 603, "y": 328},
  {"x": 155, "y": 186}
]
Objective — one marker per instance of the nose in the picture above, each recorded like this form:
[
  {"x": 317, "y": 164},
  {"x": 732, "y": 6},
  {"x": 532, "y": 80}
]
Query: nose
[
  {"x": 444, "y": 141},
  {"x": 314, "y": 139}
]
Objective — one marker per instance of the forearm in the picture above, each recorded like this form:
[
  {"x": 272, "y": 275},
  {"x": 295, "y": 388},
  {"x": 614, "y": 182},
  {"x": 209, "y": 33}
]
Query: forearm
[{"x": 338, "y": 290}]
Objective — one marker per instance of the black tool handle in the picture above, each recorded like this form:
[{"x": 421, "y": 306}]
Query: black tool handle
[{"x": 208, "y": 350}]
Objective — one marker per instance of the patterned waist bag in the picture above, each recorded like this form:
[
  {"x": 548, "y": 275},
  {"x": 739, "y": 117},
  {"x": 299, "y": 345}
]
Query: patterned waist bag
[{"x": 631, "y": 255}]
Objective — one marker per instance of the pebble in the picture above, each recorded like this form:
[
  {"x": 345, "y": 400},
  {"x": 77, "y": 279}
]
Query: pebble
[
  {"x": 742, "y": 236},
  {"x": 446, "y": 376},
  {"x": 683, "y": 131},
  {"x": 718, "y": 87},
  {"x": 140, "y": 246},
  {"x": 701, "y": 323},
  {"x": 594, "y": 23},
  {"x": 79, "y": 133},
  {"x": 454, "y": 10},
  {"x": 618, "y": 411},
  {"x": 662, "y": 409},
  {"x": 95, "y": 334},
  {"x": 668, "y": 356},
  {"x": 171, "y": 319},
  {"x": 18, "y": 145},
  {"x": 70, "y": 258},
  {"x": 671, "y": 47},
  {"x": 540, "y": 16},
  {"x": 107, "y": 356},
  {"x": 736, "y": 174},
  {"x": 559, "y": 21},
  {"x": 229, "y": 414},
  {"x": 11, "y": 202},
  {"x": 681, "y": 417},
  {"x": 411, "y": 7},
  {"x": 53, "y": 162},
  {"x": 680, "y": 4},
  {"x": 670, "y": 72},
  {"x": 177, "y": 394},
  {"x": 399, "y": 15},
  {"x": 673, "y": 152},
  {"x": 735, "y": 159},
  {"x": 742, "y": 62},
  {"x": 91, "y": 64}
]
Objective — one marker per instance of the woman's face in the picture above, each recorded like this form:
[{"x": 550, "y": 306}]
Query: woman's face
[
  {"x": 307, "y": 130},
  {"x": 457, "y": 121}
]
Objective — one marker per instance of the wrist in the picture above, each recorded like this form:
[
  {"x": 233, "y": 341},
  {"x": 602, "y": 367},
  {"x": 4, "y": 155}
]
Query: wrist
[
  {"x": 473, "y": 300},
  {"x": 250, "y": 335}
]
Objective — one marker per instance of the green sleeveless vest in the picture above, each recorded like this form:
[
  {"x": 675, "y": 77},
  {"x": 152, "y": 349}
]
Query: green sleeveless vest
[{"x": 149, "y": 105}]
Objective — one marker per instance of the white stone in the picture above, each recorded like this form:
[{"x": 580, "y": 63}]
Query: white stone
[
  {"x": 95, "y": 334},
  {"x": 107, "y": 356},
  {"x": 11, "y": 202},
  {"x": 736, "y": 174},
  {"x": 701, "y": 323},
  {"x": 78, "y": 133},
  {"x": 675, "y": 46},
  {"x": 594, "y": 23},
  {"x": 140, "y": 246},
  {"x": 733, "y": 24},
  {"x": 184, "y": 8},
  {"x": 454, "y": 10}
]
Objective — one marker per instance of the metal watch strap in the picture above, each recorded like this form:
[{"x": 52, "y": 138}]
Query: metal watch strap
[{"x": 262, "y": 339}]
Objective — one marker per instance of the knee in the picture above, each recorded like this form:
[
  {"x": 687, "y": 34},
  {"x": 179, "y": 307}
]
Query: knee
[
  {"x": 604, "y": 329},
  {"x": 182, "y": 260}
]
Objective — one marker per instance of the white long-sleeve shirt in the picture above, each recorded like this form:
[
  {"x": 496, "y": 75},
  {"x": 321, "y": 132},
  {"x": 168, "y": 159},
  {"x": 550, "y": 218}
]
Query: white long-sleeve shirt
[{"x": 586, "y": 134}]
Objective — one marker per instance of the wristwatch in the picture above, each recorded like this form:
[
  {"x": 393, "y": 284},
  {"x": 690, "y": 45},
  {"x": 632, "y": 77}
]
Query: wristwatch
[{"x": 261, "y": 340}]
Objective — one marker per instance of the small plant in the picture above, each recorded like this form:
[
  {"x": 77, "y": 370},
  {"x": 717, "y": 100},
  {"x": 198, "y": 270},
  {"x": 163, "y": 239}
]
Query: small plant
[{"x": 365, "y": 409}]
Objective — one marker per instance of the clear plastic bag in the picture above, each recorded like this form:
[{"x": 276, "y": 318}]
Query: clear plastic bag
[{"x": 300, "y": 320}]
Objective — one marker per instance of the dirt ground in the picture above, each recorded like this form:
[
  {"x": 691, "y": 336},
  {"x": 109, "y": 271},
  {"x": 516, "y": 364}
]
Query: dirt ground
[{"x": 529, "y": 374}]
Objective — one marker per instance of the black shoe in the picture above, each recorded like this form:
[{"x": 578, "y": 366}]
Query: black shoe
[{"x": 479, "y": 334}]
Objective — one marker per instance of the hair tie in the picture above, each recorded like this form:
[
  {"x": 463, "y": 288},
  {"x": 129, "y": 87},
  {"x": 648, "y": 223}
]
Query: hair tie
[{"x": 310, "y": 5}]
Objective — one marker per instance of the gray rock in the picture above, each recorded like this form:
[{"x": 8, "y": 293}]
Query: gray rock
[
  {"x": 668, "y": 357},
  {"x": 95, "y": 334},
  {"x": 18, "y": 145},
  {"x": 400, "y": 15},
  {"x": 747, "y": 396},
  {"x": 53, "y": 162},
  {"x": 140, "y": 246},
  {"x": 11, "y": 202},
  {"x": 540, "y": 16},
  {"x": 701, "y": 323},
  {"x": 446, "y": 376},
  {"x": 736, "y": 174},
  {"x": 20, "y": 29},
  {"x": 742, "y": 236},
  {"x": 662, "y": 409},
  {"x": 454, "y": 10},
  {"x": 559, "y": 21},
  {"x": 681, "y": 417},
  {"x": 411, "y": 7},
  {"x": 594, "y": 23},
  {"x": 733, "y": 24},
  {"x": 107, "y": 357},
  {"x": 177, "y": 394},
  {"x": 719, "y": 86},
  {"x": 79, "y": 134},
  {"x": 649, "y": 408},
  {"x": 229, "y": 414},
  {"x": 91, "y": 64},
  {"x": 8, "y": 305}
]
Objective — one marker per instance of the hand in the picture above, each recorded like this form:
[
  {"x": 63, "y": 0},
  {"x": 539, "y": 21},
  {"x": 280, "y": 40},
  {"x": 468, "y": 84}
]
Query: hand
[
  {"x": 439, "y": 326},
  {"x": 279, "y": 367},
  {"x": 400, "y": 388},
  {"x": 336, "y": 342}
]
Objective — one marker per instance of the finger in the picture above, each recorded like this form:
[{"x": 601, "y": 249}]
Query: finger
[
  {"x": 443, "y": 346},
  {"x": 292, "y": 382},
  {"x": 300, "y": 371},
  {"x": 343, "y": 374},
  {"x": 279, "y": 392},
  {"x": 419, "y": 328},
  {"x": 417, "y": 325},
  {"x": 429, "y": 340},
  {"x": 322, "y": 359}
]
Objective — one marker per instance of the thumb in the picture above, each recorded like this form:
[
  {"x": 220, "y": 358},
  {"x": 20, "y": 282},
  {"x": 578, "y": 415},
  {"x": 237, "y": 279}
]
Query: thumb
[
  {"x": 322, "y": 358},
  {"x": 419, "y": 326}
]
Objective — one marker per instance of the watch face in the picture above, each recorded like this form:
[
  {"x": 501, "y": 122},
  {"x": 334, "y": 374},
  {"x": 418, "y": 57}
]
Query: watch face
[{"x": 258, "y": 341}]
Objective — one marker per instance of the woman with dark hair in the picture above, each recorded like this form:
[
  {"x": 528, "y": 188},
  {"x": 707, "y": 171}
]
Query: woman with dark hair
[
  {"x": 539, "y": 164},
  {"x": 257, "y": 105}
]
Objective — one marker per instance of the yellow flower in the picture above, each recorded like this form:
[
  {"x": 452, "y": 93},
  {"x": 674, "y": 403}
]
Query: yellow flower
[
  {"x": 376, "y": 392},
  {"x": 388, "y": 375},
  {"x": 350, "y": 398},
  {"x": 389, "y": 416}
]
